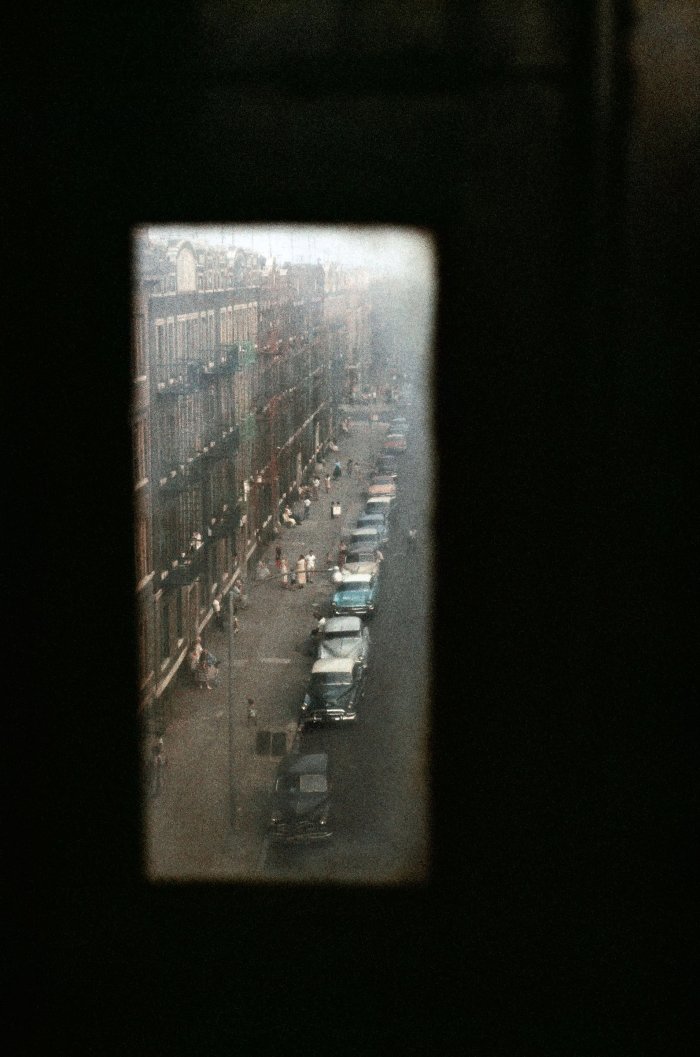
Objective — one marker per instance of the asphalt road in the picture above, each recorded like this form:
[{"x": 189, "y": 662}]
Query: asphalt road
[{"x": 380, "y": 765}]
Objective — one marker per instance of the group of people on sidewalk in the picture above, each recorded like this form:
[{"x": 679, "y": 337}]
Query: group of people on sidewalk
[{"x": 302, "y": 573}]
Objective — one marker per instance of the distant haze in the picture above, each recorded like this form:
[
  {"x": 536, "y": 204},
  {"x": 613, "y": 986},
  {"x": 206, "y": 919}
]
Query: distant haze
[{"x": 387, "y": 251}]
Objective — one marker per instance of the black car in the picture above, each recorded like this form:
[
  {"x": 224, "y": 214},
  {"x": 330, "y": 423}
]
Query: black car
[
  {"x": 335, "y": 690},
  {"x": 301, "y": 804}
]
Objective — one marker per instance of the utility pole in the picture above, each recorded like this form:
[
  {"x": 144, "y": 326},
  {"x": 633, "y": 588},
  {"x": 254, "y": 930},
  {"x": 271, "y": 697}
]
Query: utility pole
[{"x": 231, "y": 767}]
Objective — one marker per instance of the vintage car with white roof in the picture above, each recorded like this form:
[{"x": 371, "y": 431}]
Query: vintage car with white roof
[
  {"x": 335, "y": 690},
  {"x": 356, "y": 595},
  {"x": 344, "y": 637}
]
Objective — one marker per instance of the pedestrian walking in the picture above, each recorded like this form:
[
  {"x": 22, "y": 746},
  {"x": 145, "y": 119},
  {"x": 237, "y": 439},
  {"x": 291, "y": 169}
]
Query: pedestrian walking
[
  {"x": 316, "y": 485},
  {"x": 307, "y": 507},
  {"x": 252, "y": 713},
  {"x": 348, "y": 468},
  {"x": 157, "y": 766},
  {"x": 337, "y": 471},
  {"x": 342, "y": 555},
  {"x": 218, "y": 612},
  {"x": 284, "y": 570},
  {"x": 301, "y": 571},
  {"x": 336, "y": 575},
  {"x": 278, "y": 558},
  {"x": 310, "y": 566},
  {"x": 261, "y": 571},
  {"x": 327, "y": 482}
]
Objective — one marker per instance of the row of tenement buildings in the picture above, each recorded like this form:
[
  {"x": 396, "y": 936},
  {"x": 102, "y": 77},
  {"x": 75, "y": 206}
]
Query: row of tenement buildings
[{"x": 239, "y": 367}]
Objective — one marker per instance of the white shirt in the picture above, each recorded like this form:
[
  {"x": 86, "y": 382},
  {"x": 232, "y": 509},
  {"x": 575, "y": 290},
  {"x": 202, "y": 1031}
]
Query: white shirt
[{"x": 311, "y": 561}]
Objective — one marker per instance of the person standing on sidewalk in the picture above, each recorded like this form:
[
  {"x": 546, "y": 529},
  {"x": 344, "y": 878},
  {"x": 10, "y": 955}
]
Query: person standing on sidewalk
[
  {"x": 193, "y": 658},
  {"x": 278, "y": 558},
  {"x": 218, "y": 613},
  {"x": 307, "y": 507},
  {"x": 337, "y": 471},
  {"x": 310, "y": 566},
  {"x": 348, "y": 468},
  {"x": 316, "y": 485},
  {"x": 327, "y": 481},
  {"x": 204, "y": 671},
  {"x": 157, "y": 765},
  {"x": 301, "y": 571},
  {"x": 284, "y": 570},
  {"x": 342, "y": 555},
  {"x": 252, "y": 717}
]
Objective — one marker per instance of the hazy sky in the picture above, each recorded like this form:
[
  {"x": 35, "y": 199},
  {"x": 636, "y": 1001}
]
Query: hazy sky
[{"x": 383, "y": 250}]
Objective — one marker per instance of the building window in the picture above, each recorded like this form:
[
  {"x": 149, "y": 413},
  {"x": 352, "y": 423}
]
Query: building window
[
  {"x": 143, "y": 555},
  {"x": 165, "y": 632},
  {"x": 161, "y": 355},
  {"x": 142, "y": 644},
  {"x": 139, "y": 347},
  {"x": 140, "y": 463},
  {"x": 179, "y": 617}
]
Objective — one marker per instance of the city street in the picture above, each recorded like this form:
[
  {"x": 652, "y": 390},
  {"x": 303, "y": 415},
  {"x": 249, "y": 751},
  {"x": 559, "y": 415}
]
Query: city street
[{"x": 380, "y": 767}]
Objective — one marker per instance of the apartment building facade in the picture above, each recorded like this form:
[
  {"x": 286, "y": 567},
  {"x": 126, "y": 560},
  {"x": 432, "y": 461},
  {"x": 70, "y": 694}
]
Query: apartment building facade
[{"x": 231, "y": 405}]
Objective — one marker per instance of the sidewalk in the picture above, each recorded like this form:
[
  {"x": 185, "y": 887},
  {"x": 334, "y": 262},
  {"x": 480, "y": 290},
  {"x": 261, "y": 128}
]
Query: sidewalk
[{"x": 187, "y": 827}]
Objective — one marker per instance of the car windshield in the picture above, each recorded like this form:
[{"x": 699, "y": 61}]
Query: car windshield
[
  {"x": 321, "y": 679},
  {"x": 302, "y": 783},
  {"x": 353, "y": 585},
  {"x": 360, "y": 556}
]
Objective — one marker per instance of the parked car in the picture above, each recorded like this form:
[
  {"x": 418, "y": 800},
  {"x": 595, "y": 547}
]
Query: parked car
[
  {"x": 380, "y": 504},
  {"x": 361, "y": 560},
  {"x": 383, "y": 478},
  {"x": 335, "y": 690},
  {"x": 376, "y": 521},
  {"x": 394, "y": 442},
  {"x": 301, "y": 799},
  {"x": 344, "y": 637},
  {"x": 368, "y": 536},
  {"x": 357, "y": 594},
  {"x": 381, "y": 489},
  {"x": 387, "y": 464}
]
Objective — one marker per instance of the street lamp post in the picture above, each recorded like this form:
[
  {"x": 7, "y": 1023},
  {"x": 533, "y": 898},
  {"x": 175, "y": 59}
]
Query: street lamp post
[{"x": 231, "y": 768}]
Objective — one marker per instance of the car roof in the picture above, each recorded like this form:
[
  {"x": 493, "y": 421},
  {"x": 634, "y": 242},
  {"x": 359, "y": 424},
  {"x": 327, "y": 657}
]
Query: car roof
[
  {"x": 371, "y": 517},
  {"x": 359, "y": 577},
  {"x": 377, "y": 499},
  {"x": 364, "y": 566},
  {"x": 333, "y": 664},
  {"x": 303, "y": 763},
  {"x": 342, "y": 624},
  {"x": 363, "y": 533}
]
